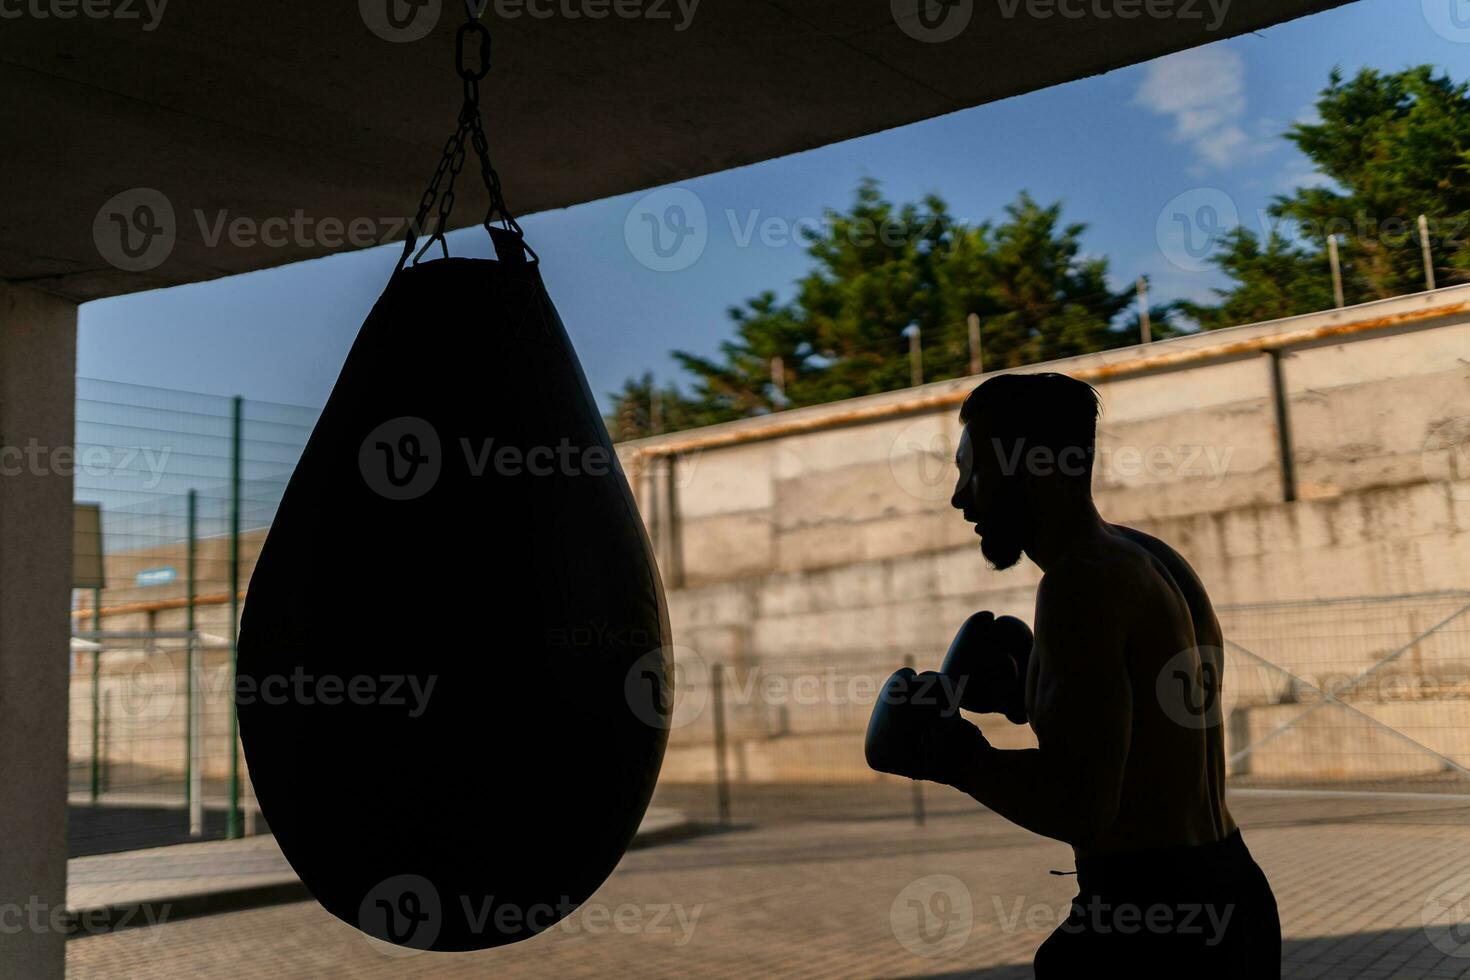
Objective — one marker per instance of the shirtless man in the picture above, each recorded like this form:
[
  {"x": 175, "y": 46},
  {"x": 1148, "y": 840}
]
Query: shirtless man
[{"x": 1122, "y": 691}]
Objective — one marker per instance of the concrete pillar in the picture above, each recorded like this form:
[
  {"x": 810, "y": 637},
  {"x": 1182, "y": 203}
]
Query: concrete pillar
[{"x": 37, "y": 398}]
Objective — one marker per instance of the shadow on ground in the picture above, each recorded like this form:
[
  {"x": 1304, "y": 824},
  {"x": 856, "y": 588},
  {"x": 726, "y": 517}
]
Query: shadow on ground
[
  {"x": 104, "y": 829},
  {"x": 1405, "y": 953}
]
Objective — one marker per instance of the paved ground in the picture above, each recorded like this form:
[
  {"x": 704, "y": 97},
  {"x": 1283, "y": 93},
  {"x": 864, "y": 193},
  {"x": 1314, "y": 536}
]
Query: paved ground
[
  {"x": 1354, "y": 877},
  {"x": 140, "y": 887},
  {"x": 140, "y": 807}
]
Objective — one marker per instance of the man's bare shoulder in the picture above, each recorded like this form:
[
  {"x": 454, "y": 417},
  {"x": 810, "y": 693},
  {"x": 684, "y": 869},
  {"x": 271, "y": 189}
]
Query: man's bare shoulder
[
  {"x": 1096, "y": 580},
  {"x": 1158, "y": 548}
]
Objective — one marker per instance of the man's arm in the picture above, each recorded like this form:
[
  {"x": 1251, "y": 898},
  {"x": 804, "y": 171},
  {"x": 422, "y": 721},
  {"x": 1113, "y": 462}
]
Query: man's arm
[{"x": 1068, "y": 788}]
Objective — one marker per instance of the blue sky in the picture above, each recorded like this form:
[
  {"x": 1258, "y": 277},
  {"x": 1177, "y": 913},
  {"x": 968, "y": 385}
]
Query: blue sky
[{"x": 1138, "y": 154}]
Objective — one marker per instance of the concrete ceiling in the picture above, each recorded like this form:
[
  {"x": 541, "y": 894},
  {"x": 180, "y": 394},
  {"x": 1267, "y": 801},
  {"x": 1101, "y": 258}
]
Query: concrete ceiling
[{"x": 300, "y": 111}]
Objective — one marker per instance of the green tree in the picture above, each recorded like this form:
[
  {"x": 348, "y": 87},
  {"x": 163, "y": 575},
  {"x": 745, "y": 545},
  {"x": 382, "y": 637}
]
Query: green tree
[
  {"x": 1395, "y": 146},
  {"x": 1399, "y": 146},
  {"x": 644, "y": 408},
  {"x": 1275, "y": 281},
  {"x": 879, "y": 269},
  {"x": 1038, "y": 297}
]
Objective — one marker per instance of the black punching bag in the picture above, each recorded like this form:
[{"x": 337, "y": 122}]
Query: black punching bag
[{"x": 453, "y": 685}]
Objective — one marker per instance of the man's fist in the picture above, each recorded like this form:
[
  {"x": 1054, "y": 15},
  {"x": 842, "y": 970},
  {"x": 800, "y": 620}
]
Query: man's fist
[
  {"x": 916, "y": 729},
  {"x": 987, "y": 663}
]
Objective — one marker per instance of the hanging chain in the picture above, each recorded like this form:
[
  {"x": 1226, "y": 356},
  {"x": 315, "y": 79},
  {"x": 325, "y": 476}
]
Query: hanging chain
[{"x": 451, "y": 161}]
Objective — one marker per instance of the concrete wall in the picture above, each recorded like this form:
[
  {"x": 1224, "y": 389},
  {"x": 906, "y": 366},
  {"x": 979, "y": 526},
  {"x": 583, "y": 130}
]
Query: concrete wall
[
  {"x": 832, "y": 541},
  {"x": 37, "y": 392}
]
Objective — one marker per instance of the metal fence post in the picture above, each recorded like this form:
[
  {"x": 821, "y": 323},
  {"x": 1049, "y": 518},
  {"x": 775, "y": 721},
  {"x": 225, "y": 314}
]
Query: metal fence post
[
  {"x": 1427, "y": 252},
  {"x": 193, "y": 802},
  {"x": 106, "y": 768},
  {"x": 722, "y": 779},
  {"x": 232, "y": 813},
  {"x": 96, "y": 694}
]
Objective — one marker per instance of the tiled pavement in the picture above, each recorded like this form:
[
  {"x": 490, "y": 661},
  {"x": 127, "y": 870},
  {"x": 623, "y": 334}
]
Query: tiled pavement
[{"x": 1353, "y": 878}]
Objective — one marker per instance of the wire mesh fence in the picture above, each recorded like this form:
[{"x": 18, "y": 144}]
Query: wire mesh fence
[
  {"x": 1371, "y": 692},
  {"x": 186, "y": 485},
  {"x": 1350, "y": 693},
  {"x": 1345, "y": 694}
]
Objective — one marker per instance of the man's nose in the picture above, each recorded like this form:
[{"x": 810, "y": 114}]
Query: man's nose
[{"x": 957, "y": 501}]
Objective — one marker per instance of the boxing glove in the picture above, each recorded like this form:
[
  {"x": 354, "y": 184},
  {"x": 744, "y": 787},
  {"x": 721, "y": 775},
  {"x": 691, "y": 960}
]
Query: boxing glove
[
  {"x": 986, "y": 665},
  {"x": 916, "y": 731}
]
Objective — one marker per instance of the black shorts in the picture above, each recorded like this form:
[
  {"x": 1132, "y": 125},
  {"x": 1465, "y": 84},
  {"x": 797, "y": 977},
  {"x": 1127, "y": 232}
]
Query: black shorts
[{"x": 1194, "y": 912}]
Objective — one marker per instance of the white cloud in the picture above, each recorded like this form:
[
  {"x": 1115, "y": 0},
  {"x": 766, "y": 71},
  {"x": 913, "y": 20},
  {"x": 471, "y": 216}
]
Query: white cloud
[{"x": 1203, "y": 91}]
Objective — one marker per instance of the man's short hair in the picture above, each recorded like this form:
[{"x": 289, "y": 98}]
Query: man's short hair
[{"x": 1049, "y": 410}]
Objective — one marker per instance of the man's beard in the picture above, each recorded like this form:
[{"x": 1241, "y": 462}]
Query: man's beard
[
  {"x": 1003, "y": 542},
  {"x": 1001, "y": 548}
]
